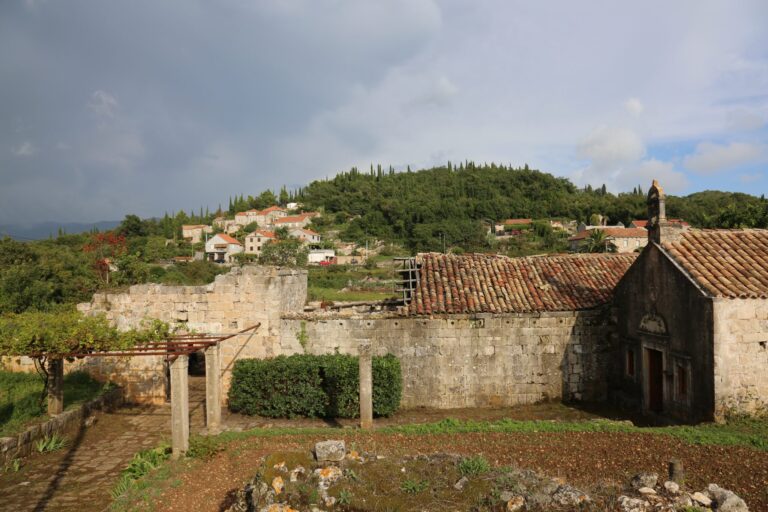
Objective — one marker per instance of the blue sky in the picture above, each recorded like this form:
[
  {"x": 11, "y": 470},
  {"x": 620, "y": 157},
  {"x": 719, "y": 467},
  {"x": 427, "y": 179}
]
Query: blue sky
[{"x": 108, "y": 108}]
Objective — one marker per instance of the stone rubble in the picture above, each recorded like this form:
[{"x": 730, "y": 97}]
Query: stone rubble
[
  {"x": 671, "y": 497},
  {"x": 269, "y": 492}
]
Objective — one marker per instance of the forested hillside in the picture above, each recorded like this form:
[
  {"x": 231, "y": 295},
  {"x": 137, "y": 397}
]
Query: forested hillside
[{"x": 418, "y": 209}]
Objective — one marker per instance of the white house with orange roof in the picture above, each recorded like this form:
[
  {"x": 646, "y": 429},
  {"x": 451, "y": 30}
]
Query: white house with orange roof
[
  {"x": 267, "y": 217},
  {"x": 193, "y": 233},
  {"x": 258, "y": 239},
  {"x": 221, "y": 248},
  {"x": 305, "y": 235},
  {"x": 247, "y": 217}
]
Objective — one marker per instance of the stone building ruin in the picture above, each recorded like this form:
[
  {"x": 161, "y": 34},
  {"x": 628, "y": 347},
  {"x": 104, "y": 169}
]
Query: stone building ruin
[{"x": 680, "y": 330}]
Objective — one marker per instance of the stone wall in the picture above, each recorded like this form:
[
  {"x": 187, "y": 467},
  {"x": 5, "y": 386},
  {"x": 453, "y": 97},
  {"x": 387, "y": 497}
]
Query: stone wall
[
  {"x": 243, "y": 297},
  {"x": 741, "y": 356},
  {"x": 478, "y": 361},
  {"x": 68, "y": 422}
]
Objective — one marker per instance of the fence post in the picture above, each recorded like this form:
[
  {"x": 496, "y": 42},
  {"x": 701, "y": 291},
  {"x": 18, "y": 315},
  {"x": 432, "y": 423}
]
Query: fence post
[
  {"x": 212, "y": 388},
  {"x": 55, "y": 387},
  {"x": 366, "y": 386},
  {"x": 179, "y": 406}
]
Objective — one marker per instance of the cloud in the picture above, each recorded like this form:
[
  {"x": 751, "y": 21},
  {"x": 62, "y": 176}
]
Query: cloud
[
  {"x": 103, "y": 104},
  {"x": 634, "y": 106},
  {"x": 25, "y": 149},
  {"x": 646, "y": 171},
  {"x": 440, "y": 93},
  {"x": 751, "y": 178},
  {"x": 710, "y": 157},
  {"x": 609, "y": 147},
  {"x": 743, "y": 120}
]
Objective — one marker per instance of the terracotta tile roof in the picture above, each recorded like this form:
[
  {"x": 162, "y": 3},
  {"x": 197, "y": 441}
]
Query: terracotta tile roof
[
  {"x": 293, "y": 218},
  {"x": 270, "y": 210},
  {"x": 644, "y": 223},
  {"x": 479, "y": 283},
  {"x": 247, "y": 212},
  {"x": 730, "y": 263},
  {"x": 193, "y": 226},
  {"x": 513, "y": 222},
  {"x": 264, "y": 233},
  {"x": 613, "y": 233},
  {"x": 227, "y": 238}
]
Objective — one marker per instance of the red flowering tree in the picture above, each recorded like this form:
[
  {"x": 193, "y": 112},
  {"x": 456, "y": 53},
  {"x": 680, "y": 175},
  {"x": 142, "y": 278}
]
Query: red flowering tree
[{"x": 104, "y": 248}]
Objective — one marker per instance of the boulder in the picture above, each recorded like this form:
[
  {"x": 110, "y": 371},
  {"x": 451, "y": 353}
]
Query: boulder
[
  {"x": 726, "y": 500},
  {"x": 644, "y": 480},
  {"x": 330, "y": 451},
  {"x": 671, "y": 487},
  {"x": 628, "y": 504},
  {"x": 701, "y": 499},
  {"x": 461, "y": 483},
  {"x": 567, "y": 495}
]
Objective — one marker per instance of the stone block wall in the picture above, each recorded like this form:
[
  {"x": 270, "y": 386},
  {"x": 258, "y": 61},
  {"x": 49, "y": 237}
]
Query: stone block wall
[
  {"x": 741, "y": 356},
  {"x": 477, "y": 361},
  {"x": 243, "y": 297}
]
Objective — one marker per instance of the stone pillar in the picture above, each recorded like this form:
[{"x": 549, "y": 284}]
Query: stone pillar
[
  {"x": 366, "y": 386},
  {"x": 179, "y": 406},
  {"x": 55, "y": 387},
  {"x": 212, "y": 388}
]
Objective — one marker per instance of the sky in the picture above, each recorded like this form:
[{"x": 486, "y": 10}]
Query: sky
[{"x": 109, "y": 108}]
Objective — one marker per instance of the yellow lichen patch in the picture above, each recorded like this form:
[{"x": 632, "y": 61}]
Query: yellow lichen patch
[
  {"x": 280, "y": 466},
  {"x": 278, "y": 485}
]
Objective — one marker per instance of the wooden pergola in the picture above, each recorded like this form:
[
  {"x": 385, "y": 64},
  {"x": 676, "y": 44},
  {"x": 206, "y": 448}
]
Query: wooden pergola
[{"x": 176, "y": 350}]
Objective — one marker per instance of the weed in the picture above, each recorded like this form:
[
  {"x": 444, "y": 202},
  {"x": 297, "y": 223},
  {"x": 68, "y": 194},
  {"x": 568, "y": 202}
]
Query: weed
[
  {"x": 473, "y": 466},
  {"x": 351, "y": 475},
  {"x": 203, "y": 447},
  {"x": 344, "y": 497},
  {"x": 414, "y": 486},
  {"x": 13, "y": 466},
  {"x": 50, "y": 443},
  {"x": 142, "y": 464}
]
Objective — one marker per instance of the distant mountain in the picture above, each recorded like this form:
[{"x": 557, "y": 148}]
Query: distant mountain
[{"x": 41, "y": 230}]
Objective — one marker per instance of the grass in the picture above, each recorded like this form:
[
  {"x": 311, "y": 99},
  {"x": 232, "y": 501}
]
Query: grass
[
  {"x": 473, "y": 466},
  {"x": 752, "y": 433},
  {"x": 142, "y": 464},
  {"x": 20, "y": 402},
  {"x": 50, "y": 443},
  {"x": 328, "y": 294},
  {"x": 327, "y": 283}
]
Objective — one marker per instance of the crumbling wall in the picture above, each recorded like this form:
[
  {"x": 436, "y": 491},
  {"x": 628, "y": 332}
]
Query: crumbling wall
[
  {"x": 741, "y": 356},
  {"x": 243, "y": 297},
  {"x": 472, "y": 361}
]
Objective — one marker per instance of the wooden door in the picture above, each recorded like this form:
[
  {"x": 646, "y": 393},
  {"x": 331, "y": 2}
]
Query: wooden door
[{"x": 655, "y": 376}]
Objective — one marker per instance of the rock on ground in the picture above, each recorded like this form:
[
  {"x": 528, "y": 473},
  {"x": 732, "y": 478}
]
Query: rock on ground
[{"x": 330, "y": 451}]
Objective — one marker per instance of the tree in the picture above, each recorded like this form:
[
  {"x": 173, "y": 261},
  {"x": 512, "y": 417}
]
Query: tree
[
  {"x": 132, "y": 226},
  {"x": 284, "y": 252},
  {"x": 48, "y": 337},
  {"x": 284, "y": 197},
  {"x": 598, "y": 242}
]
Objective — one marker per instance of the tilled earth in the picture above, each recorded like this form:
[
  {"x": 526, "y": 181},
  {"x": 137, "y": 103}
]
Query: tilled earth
[{"x": 589, "y": 460}]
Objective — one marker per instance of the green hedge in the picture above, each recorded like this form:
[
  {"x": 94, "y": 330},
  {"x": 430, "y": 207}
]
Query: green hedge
[{"x": 307, "y": 385}]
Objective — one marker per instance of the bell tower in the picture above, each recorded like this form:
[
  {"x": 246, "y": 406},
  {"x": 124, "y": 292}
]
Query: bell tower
[{"x": 660, "y": 230}]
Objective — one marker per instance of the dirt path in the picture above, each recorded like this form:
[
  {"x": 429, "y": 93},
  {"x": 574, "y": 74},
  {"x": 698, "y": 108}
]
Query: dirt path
[{"x": 81, "y": 476}]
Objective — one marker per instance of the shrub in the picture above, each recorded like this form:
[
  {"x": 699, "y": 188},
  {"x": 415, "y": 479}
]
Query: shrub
[
  {"x": 473, "y": 466},
  {"x": 308, "y": 385},
  {"x": 279, "y": 387}
]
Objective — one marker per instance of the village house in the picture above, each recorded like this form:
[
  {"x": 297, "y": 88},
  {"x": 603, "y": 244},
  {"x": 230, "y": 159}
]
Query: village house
[
  {"x": 266, "y": 218},
  {"x": 255, "y": 241},
  {"x": 307, "y": 236},
  {"x": 193, "y": 233},
  {"x": 228, "y": 226},
  {"x": 221, "y": 248},
  {"x": 294, "y": 221},
  {"x": 693, "y": 321},
  {"x": 616, "y": 239},
  {"x": 321, "y": 256},
  {"x": 506, "y": 226},
  {"x": 247, "y": 217}
]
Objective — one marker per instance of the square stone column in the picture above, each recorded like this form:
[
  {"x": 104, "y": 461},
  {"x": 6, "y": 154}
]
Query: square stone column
[
  {"x": 55, "y": 387},
  {"x": 179, "y": 406},
  {"x": 212, "y": 388},
  {"x": 366, "y": 386}
]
